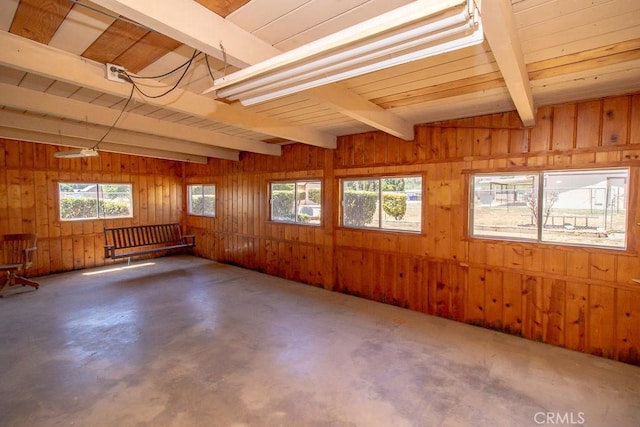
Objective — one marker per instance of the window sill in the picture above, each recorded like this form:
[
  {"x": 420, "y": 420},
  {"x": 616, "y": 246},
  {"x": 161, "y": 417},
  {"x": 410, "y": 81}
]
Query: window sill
[
  {"x": 382, "y": 230},
  {"x": 555, "y": 245},
  {"x": 301, "y": 224}
]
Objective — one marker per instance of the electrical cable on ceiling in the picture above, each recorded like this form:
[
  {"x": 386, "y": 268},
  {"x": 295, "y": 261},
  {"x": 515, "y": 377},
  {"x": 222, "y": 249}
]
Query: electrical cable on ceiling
[
  {"x": 187, "y": 62},
  {"x": 129, "y": 21},
  {"x": 131, "y": 78},
  {"x": 96, "y": 146},
  {"x": 206, "y": 59},
  {"x": 159, "y": 76}
]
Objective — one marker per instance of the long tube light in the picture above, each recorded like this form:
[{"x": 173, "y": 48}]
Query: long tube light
[
  {"x": 418, "y": 30},
  {"x": 361, "y": 65},
  {"x": 290, "y": 90},
  {"x": 397, "y": 18},
  {"x": 354, "y": 54}
]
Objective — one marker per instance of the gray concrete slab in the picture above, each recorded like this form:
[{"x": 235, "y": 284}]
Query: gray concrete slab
[{"x": 183, "y": 341}]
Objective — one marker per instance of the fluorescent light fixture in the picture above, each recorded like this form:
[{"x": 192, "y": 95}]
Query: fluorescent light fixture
[
  {"x": 76, "y": 154},
  {"x": 418, "y": 30}
]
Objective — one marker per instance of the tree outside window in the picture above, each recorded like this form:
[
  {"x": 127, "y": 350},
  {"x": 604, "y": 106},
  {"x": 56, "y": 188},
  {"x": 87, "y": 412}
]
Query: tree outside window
[{"x": 202, "y": 199}]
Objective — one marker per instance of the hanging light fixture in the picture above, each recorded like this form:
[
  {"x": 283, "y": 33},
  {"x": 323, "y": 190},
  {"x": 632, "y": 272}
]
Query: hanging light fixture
[
  {"x": 418, "y": 30},
  {"x": 93, "y": 151},
  {"x": 76, "y": 154}
]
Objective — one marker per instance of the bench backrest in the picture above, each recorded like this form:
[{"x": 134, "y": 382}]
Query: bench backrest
[{"x": 143, "y": 235}]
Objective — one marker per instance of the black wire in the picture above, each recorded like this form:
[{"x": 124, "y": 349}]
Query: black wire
[
  {"x": 195, "y": 53},
  {"x": 187, "y": 62},
  {"x": 206, "y": 58},
  {"x": 95, "y": 147}
]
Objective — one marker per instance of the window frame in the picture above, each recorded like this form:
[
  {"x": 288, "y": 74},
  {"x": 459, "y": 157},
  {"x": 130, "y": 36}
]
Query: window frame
[
  {"x": 379, "y": 178},
  {"x": 540, "y": 175},
  {"x": 97, "y": 198},
  {"x": 296, "y": 217},
  {"x": 215, "y": 200}
]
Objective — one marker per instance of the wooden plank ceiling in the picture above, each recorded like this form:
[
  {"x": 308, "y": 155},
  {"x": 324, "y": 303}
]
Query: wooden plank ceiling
[{"x": 53, "y": 87}]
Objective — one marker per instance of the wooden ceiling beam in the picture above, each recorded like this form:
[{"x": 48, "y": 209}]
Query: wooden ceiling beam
[
  {"x": 340, "y": 98},
  {"x": 501, "y": 32},
  {"x": 50, "y": 130},
  {"x": 29, "y": 56},
  {"x": 195, "y": 25},
  {"x": 44, "y": 103},
  {"x": 174, "y": 20},
  {"x": 66, "y": 141}
]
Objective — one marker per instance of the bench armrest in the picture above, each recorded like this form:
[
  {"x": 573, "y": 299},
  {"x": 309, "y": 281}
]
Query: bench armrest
[
  {"x": 109, "y": 251},
  {"x": 189, "y": 239}
]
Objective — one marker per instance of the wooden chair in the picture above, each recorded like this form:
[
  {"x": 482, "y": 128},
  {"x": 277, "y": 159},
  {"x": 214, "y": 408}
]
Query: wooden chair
[{"x": 16, "y": 257}]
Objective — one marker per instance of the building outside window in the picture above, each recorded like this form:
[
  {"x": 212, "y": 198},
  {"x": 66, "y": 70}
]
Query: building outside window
[{"x": 581, "y": 207}]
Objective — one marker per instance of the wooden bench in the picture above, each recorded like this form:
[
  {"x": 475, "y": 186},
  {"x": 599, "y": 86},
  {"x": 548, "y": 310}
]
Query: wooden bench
[{"x": 125, "y": 242}]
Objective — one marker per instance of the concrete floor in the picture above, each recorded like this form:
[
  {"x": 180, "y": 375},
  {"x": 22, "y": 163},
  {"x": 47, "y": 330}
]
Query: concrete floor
[{"x": 182, "y": 341}]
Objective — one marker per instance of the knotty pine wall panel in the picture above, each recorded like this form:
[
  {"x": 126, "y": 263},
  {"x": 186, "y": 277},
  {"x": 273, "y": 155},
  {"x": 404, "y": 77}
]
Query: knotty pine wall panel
[
  {"x": 241, "y": 232},
  {"x": 29, "y": 177},
  {"x": 579, "y": 298}
]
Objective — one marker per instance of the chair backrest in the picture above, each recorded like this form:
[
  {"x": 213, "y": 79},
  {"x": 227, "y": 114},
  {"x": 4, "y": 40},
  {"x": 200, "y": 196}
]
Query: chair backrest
[{"x": 17, "y": 248}]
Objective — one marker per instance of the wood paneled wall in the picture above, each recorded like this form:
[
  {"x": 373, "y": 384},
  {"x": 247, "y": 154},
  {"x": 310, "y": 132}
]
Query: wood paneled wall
[
  {"x": 241, "y": 232},
  {"x": 579, "y": 298},
  {"x": 29, "y": 177}
]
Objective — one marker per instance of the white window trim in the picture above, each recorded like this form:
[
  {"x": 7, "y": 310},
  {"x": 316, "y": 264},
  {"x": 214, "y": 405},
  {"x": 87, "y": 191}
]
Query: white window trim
[
  {"x": 295, "y": 183},
  {"x": 380, "y": 199},
  {"x": 215, "y": 194},
  {"x": 98, "y": 185}
]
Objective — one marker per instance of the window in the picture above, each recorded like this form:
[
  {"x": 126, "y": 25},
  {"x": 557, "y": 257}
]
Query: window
[
  {"x": 584, "y": 207},
  {"x": 202, "y": 199},
  {"x": 92, "y": 201},
  {"x": 296, "y": 201},
  {"x": 399, "y": 197}
]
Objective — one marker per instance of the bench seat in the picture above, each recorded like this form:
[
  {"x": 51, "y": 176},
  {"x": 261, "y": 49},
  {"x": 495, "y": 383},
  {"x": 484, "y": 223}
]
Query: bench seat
[{"x": 126, "y": 242}]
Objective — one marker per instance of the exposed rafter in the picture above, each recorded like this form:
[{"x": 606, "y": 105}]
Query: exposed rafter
[
  {"x": 194, "y": 25},
  {"x": 342, "y": 99},
  {"x": 54, "y": 126},
  {"x": 40, "y": 102},
  {"x": 66, "y": 141},
  {"x": 502, "y": 34},
  {"x": 36, "y": 58},
  {"x": 50, "y": 130},
  {"x": 173, "y": 20}
]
